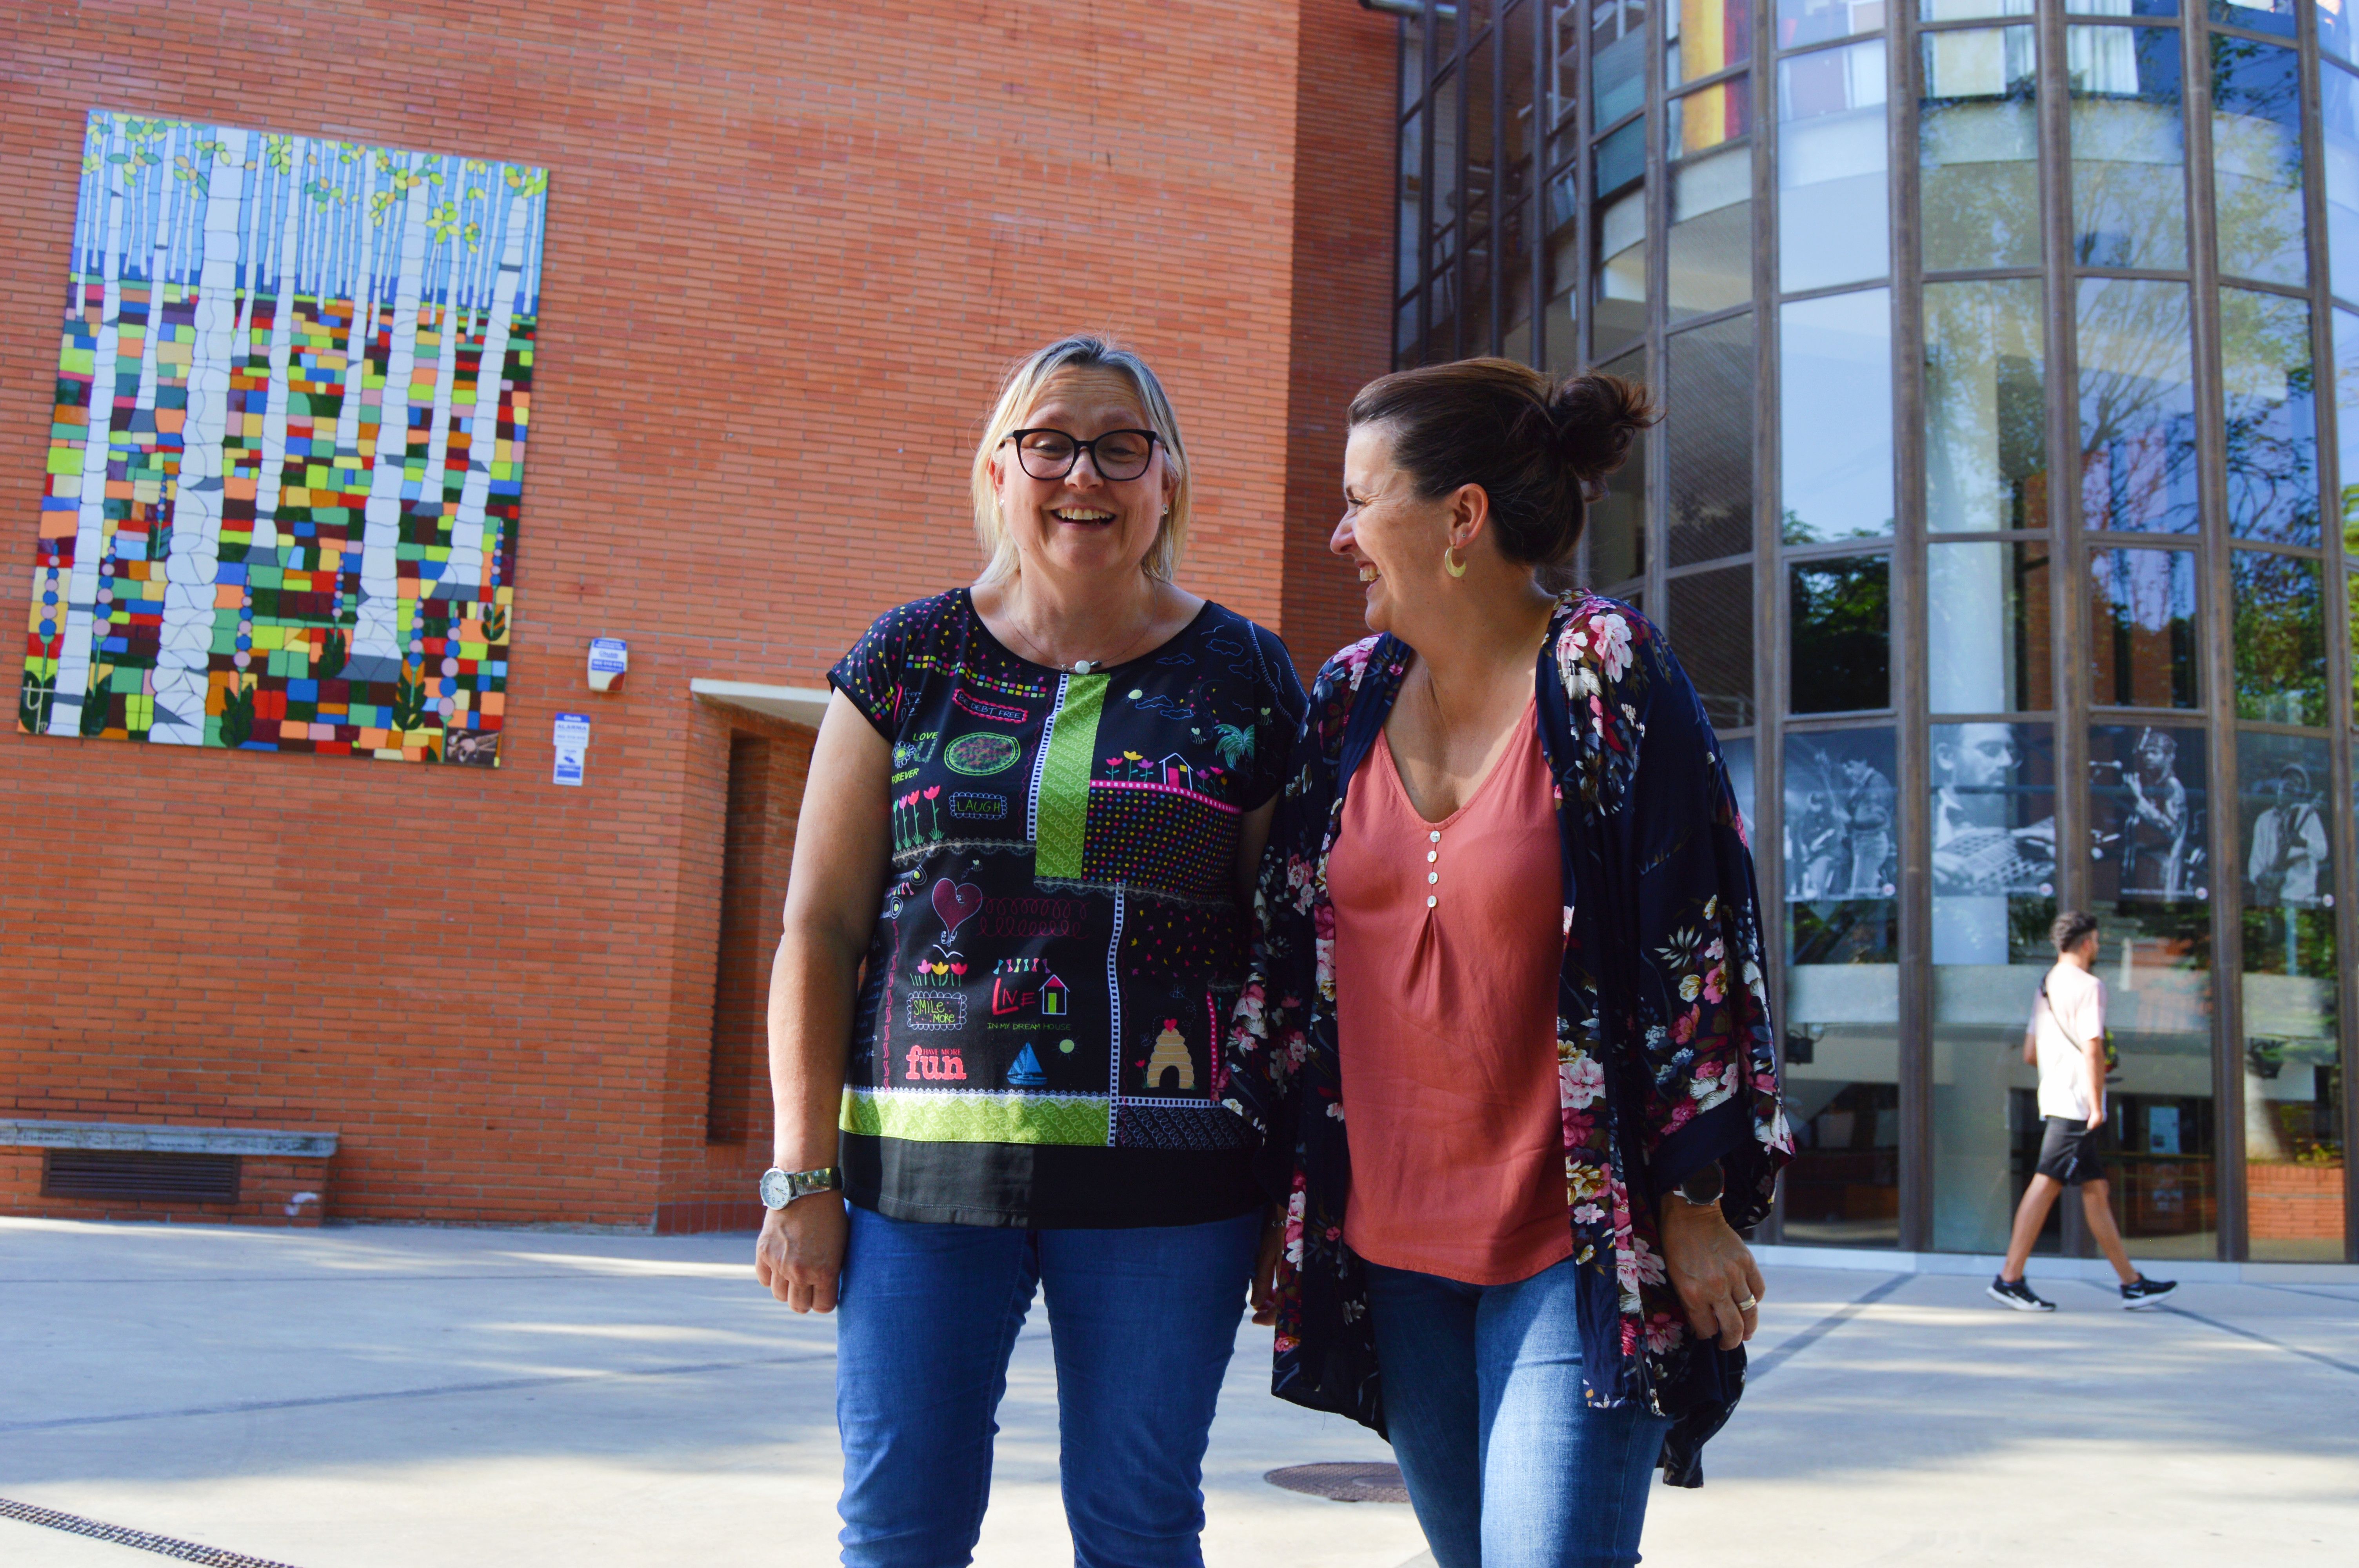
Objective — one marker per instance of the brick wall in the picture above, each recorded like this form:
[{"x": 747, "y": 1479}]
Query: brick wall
[
  {"x": 789, "y": 248},
  {"x": 1346, "y": 90}
]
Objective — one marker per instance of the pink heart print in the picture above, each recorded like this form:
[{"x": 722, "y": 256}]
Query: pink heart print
[{"x": 955, "y": 904}]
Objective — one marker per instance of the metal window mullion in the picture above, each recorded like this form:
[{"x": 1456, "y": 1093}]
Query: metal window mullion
[
  {"x": 2068, "y": 558},
  {"x": 1768, "y": 568},
  {"x": 1584, "y": 166},
  {"x": 1425, "y": 187},
  {"x": 2220, "y": 701},
  {"x": 1536, "y": 233},
  {"x": 1458, "y": 267},
  {"x": 1657, "y": 205},
  {"x": 2067, "y": 554},
  {"x": 1498, "y": 260},
  {"x": 1915, "y": 1055},
  {"x": 2336, "y": 586}
]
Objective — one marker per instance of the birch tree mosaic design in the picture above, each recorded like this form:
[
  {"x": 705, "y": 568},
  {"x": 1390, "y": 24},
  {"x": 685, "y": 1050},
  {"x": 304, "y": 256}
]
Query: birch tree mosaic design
[{"x": 287, "y": 460}]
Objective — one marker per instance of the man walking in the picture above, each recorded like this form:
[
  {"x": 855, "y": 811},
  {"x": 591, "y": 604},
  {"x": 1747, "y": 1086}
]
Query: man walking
[{"x": 2067, "y": 1040}]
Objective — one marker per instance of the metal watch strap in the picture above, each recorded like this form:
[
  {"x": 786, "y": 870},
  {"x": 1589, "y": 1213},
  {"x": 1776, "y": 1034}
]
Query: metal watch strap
[{"x": 779, "y": 1187}]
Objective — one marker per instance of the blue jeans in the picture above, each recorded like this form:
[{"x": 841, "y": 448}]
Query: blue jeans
[
  {"x": 1504, "y": 1465},
  {"x": 1141, "y": 1322}
]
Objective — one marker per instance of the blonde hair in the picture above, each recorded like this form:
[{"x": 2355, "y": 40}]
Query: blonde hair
[{"x": 1021, "y": 388}]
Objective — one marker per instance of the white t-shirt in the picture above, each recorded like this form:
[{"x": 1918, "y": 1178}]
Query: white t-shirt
[{"x": 2069, "y": 1012}]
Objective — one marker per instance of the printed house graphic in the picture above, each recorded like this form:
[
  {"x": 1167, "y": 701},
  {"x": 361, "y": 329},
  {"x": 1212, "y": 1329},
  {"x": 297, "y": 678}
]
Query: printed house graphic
[
  {"x": 1053, "y": 1000},
  {"x": 1170, "y": 1056}
]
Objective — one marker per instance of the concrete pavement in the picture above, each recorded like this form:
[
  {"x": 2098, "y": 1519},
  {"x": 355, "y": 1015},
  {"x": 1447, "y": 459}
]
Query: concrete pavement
[{"x": 353, "y": 1397}]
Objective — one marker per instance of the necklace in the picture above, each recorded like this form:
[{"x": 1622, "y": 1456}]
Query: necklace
[{"x": 1039, "y": 654}]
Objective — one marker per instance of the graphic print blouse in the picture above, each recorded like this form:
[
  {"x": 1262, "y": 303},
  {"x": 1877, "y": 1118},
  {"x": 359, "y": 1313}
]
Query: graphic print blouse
[
  {"x": 1664, "y": 1054},
  {"x": 1039, "y": 1040}
]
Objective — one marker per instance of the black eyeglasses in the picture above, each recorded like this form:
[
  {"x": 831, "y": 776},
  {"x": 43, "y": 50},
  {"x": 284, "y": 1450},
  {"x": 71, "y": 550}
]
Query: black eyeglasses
[{"x": 1051, "y": 454}]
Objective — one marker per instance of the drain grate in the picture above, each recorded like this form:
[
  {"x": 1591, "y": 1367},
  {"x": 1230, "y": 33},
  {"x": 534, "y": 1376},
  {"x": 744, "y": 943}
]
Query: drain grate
[
  {"x": 1351, "y": 1483},
  {"x": 137, "y": 1540},
  {"x": 136, "y": 1173}
]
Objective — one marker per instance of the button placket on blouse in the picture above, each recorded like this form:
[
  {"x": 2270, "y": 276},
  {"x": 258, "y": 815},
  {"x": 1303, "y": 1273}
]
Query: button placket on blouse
[{"x": 1432, "y": 837}]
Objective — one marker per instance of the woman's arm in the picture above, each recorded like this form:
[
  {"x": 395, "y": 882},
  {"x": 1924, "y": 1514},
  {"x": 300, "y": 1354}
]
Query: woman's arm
[
  {"x": 1692, "y": 987},
  {"x": 843, "y": 849}
]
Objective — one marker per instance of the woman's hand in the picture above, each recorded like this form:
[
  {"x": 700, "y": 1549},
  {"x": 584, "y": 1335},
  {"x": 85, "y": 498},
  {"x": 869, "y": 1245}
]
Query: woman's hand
[
  {"x": 1265, "y": 1275},
  {"x": 800, "y": 1254},
  {"x": 1713, "y": 1269}
]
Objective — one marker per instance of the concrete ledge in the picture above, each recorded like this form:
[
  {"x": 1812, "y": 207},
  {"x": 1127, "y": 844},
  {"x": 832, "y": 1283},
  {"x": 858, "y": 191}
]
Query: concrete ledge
[
  {"x": 803, "y": 705},
  {"x": 2049, "y": 1266},
  {"x": 155, "y": 1138}
]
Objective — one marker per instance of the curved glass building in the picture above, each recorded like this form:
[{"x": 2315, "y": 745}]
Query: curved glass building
[{"x": 2011, "y": 352}]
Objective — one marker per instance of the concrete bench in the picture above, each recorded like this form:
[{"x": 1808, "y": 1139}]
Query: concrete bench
[{"x": 121, "y": 1169}]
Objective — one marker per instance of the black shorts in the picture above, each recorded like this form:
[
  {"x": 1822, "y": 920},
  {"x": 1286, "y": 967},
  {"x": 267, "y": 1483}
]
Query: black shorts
[{"x": 2068, "y": 1151}]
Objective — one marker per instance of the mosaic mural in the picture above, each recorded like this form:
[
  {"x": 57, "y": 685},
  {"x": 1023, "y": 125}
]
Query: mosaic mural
[{"x": 233, "y": 552}]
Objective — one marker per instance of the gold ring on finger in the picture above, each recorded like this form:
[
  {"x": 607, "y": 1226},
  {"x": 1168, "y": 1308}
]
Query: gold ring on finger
[{"x": 1747, "y": 1304}]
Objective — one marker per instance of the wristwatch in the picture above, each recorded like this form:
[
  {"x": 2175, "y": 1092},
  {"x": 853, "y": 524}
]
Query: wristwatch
[
  {"x": 780, "y": 1188},
  {"x": 1703, "y": 1188}
]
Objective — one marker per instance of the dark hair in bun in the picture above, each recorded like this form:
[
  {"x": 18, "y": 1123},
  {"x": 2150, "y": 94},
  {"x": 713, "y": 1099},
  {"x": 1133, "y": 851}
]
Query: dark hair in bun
[{"x": 1539, "y": 448}]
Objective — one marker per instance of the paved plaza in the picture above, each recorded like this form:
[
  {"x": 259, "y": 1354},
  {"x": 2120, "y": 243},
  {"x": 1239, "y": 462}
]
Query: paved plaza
[{"x": 352, "y": 1396}]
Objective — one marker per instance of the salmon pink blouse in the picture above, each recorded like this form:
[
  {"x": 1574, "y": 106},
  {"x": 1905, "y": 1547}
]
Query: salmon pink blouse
[{"x": 1449, "y": 938}]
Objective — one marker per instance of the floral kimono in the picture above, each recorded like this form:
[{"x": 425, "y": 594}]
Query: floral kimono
[{"x": 1664, "y": 1055}]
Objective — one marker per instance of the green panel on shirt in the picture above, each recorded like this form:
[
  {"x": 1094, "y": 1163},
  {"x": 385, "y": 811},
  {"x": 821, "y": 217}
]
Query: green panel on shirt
[
  {"x": 1065, "y": 777},
  {"x": 975, "y": 1117}
]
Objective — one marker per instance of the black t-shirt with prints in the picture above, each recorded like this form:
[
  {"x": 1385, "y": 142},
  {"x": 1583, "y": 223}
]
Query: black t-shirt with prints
[{"x": 1038, "y": 1040}]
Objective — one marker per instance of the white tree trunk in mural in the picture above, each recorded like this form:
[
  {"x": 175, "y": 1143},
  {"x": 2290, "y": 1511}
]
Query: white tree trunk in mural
[
  {"x": 250, "y": 247},
  {"x": 462, "y": 576},
  {"x": 159, "y": 265},
  {"x": 362, "y": 331},
  {"x": 272, "y": 478},
  {"x": 98, "y": 441},
  {"x": 192, "y": 566},
  {"x": 377, "y": 631},
  {"x": 452, "y": 333}
]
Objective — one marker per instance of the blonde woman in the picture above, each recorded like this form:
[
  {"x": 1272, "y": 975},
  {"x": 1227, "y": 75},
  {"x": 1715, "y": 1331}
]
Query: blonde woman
[{"x": 1033, "y": 815}]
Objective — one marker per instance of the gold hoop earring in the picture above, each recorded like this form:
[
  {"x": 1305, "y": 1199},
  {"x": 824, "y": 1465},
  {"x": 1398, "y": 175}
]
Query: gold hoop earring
[{"x": 1450, "y": 563}]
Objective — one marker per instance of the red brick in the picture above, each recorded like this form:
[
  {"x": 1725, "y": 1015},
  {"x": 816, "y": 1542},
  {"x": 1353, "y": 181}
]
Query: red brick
[{"x": 790, "y": 250}]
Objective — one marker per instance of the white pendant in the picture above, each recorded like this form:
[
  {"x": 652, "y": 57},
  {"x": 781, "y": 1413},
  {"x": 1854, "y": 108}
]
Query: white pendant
[{"x": 1081, "y": 667}]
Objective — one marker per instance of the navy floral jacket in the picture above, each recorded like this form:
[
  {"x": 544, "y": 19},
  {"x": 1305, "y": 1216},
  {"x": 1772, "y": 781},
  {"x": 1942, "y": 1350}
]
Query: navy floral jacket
[{"x": 1664, "y": 1054}]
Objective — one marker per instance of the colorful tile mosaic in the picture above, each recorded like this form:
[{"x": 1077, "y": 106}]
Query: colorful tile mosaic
[{"x": 240, "y": 558}]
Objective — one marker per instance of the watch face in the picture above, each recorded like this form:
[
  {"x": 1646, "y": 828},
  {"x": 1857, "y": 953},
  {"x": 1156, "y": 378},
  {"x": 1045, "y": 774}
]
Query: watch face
[{"x": 775, "y": 1193}]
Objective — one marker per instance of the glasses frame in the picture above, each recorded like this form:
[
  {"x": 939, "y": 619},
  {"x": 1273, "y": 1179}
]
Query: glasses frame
[{"x": 1079, "y": 446}]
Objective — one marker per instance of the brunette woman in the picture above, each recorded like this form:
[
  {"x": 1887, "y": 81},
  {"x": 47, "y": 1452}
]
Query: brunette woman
[{"x": 1507, "y": 920}]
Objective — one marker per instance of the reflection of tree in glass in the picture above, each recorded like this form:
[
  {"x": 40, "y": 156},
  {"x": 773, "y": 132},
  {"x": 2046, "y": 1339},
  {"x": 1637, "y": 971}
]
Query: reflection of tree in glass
[
  {"x": 2129, "y": 149},
  {"x": 1986, "y": 417},
  {"x": 1840, "y": 633},
  {"x": 2270, "y": 389},
  {"x": 2280, "y": 635},
  {"x": 2256, "y": 158},
  {"x": 2143, "y": 625},
  {"x": 1979, "y": 146},
  {"x": 2137, "y": 407}
]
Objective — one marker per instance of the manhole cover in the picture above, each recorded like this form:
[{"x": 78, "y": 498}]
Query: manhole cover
[{"x": 1344, "y": 1482}]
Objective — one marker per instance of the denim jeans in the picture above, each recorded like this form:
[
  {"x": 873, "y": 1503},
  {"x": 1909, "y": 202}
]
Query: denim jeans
[
  {"x": 1504, "y": 1465},
  {"x": 1141, "y": 1323}
]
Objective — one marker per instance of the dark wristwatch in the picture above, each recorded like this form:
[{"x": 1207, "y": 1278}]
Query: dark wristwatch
[{"x": 1703, "y": 1188}]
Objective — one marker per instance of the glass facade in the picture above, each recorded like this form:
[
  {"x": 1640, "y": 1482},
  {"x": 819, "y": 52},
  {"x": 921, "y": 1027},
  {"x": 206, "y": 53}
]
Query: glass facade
[{"x": 2007, "y": 514}]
